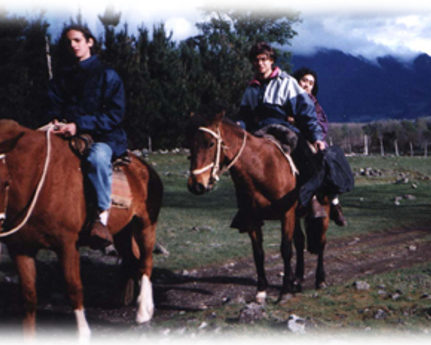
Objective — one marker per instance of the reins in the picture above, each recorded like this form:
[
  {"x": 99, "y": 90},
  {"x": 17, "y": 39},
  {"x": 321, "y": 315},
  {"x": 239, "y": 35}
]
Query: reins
[
  {"x": 216, "y": 164},
  {"x": 36, "y": 193},
  {"x": 6, "y": 194}
]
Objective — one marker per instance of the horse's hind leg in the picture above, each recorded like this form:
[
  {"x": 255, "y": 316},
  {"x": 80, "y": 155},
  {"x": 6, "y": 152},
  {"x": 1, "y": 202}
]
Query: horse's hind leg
[
  {"x": 259, "y": 259},
  {"x": 145, "y": 235},
  {"x": 69, "y": 257},
  {"x": 129, "y": 264},
  {"x": 299, "y": 240},
  {"x": 316, "y": 232},
  {"x": 27, "y": 273}
]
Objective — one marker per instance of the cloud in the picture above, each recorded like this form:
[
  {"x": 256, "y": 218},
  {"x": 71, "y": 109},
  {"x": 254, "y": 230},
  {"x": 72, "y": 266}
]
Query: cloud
[
  {"x": 369, "y": 35},
  {"x": 181, "y": 27},
  {"x": 369, "y": 28}
]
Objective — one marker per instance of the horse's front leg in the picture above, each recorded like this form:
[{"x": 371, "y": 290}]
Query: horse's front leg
[
  {"x": 259, "y": 259},
  {"x": 27, "y": 274},
  {"x": 288, "y": 227},
  {"x": 69, "y": 257}
]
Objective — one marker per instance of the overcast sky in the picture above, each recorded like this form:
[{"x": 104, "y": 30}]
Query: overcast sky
[{"x": 368, "y": 28}]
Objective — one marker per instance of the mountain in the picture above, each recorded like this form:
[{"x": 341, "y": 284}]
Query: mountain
[{"x": 354, "y": 89}]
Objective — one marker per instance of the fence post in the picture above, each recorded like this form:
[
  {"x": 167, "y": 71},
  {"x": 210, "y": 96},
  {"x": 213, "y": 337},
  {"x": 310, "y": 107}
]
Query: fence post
[{"x": 365, "y": 145}]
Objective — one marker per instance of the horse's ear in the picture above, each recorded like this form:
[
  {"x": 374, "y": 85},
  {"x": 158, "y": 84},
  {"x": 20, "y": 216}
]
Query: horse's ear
[
  {"x": 220, "y": 115},
  {"x": 10, "y": 132}
]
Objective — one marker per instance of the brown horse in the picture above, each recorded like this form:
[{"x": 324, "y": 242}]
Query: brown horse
[
  {"x": 265, "y": 185},
  {"x": 42, "y": 193}
]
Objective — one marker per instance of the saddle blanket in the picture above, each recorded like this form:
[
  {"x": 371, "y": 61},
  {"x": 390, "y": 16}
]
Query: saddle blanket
[{"x": 121, "y": 195}]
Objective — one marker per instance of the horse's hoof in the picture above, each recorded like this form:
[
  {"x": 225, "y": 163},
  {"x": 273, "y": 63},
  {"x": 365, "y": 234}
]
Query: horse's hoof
[
  {"x": 145, "y": 301},
  {"x": 297, "y": 287},
  {"x": 285, "y": 297},
  {"x": 261, "y": 297},
  {"x": 321, "y": 285}
]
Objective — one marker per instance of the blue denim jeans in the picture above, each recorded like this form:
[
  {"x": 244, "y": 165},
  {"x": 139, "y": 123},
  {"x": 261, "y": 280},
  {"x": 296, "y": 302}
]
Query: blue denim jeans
[{"x": 99, "y": 172}]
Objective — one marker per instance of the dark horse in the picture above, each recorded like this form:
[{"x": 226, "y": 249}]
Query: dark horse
[
  {"x": 42, "y": 195},
  {"x": 265, "y": 185}
]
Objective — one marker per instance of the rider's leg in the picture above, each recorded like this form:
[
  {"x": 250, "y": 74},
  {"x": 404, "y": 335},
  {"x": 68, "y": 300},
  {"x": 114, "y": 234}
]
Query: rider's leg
[{"x": 99, "y": 173}]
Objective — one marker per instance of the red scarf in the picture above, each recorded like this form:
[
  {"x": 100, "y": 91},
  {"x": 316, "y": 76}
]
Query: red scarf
[{"x": 275, "y": 72}]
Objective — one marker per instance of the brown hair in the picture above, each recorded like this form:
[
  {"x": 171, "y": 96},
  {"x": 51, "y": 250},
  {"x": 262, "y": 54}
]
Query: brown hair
[
  {"x": 63, "y": 44},
  {"x": 262, "y": 48}
]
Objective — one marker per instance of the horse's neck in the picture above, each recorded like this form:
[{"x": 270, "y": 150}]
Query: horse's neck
[
  {"x": 257, "y": 151},
  {"x": 30, "y": 153},
  {"x": 257, "y": 156}
]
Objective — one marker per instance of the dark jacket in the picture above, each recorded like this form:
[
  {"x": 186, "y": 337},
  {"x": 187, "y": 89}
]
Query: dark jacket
[
  {"x": 332, "y": 175},
  {"x": 273, "y": 100},
  {"x": 92, "y": 96},
  {"x": 321, "y": 117}
]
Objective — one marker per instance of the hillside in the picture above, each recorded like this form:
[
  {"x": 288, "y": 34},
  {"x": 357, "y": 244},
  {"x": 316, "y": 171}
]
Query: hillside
[{"x": 356, "y": 89}]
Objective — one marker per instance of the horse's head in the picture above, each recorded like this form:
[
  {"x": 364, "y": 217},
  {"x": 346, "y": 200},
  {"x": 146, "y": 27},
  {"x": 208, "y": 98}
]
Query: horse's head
[
  {"x": 205, "y": 144},
  {"x": 10, "y": 132}
]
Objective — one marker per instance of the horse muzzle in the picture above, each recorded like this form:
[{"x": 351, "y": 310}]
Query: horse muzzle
[{"x": 198, "y": 188}]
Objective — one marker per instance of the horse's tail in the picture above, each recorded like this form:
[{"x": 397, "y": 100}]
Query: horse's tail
[
  {"x": 154, "y": 197},
  {"x": 155, "y": 191}
]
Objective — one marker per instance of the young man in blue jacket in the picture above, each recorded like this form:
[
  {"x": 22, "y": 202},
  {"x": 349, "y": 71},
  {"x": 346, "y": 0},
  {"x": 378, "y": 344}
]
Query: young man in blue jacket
[
  {"x": 89, "y": 98},
  {"x": 273, "y": 97}
]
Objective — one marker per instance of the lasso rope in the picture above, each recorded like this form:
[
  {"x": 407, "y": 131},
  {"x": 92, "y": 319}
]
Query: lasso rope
[
  {"x": 38, "y": 188},
  {"x": 295, "y": 170}
]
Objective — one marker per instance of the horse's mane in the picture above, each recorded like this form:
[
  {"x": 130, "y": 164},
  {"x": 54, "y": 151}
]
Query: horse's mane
[{"x": 230, "y": 122}]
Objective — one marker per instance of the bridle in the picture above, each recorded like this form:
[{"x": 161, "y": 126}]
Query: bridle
[
  {"x": 6, "y": 186},
  {"x": 215, "y": 166},
  {"x": 3, "y": 215}
]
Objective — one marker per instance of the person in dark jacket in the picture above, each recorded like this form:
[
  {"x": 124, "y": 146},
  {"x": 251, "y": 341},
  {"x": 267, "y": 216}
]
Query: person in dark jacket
[
  {"x": 88, "y": 97},
  {"x": 273, "y": 97},
  {"x": 307, "y": 79}
]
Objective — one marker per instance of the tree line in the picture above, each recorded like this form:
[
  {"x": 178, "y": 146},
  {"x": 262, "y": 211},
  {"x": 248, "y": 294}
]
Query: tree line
[
  {"x": 394, "y": 137},
  {"x": 165, "y": 80}
]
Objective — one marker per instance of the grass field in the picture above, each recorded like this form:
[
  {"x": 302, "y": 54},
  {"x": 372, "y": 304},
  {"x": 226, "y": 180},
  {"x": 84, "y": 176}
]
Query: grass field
[
  {"x": 196, "y": 232},
  {"x": 196, "y": 229}
]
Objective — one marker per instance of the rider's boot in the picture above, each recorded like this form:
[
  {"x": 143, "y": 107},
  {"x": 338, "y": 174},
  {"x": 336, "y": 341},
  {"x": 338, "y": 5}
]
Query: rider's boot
[
  {"x": 100, "y": 236},
  {"x": 336, "y": 214},
  {"x": 317, "y": 210}
]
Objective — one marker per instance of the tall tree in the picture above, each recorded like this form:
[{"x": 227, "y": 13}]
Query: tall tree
[
  {"x": 24, "y": 73},
  {"x": 224, "y": 44}
]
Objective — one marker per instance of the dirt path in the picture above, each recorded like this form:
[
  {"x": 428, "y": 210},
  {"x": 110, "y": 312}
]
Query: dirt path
[
  {"x": 345, "y": 259},
  {"x": 200, "y": 289}
]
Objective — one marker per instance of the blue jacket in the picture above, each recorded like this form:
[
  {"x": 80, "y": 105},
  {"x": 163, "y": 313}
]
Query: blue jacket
[
  {"x": 92, "y": 96},
  {"x": 274, "y": 100}
]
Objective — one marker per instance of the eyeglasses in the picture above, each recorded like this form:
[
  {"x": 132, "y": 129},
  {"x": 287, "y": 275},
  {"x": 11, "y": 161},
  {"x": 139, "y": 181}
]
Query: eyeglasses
[{"x": 261, "y": 59}]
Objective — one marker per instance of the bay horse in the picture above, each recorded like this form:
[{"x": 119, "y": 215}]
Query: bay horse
[
  {"x": 44, "y": 206},
  {"x": 266, "y": 189}
]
